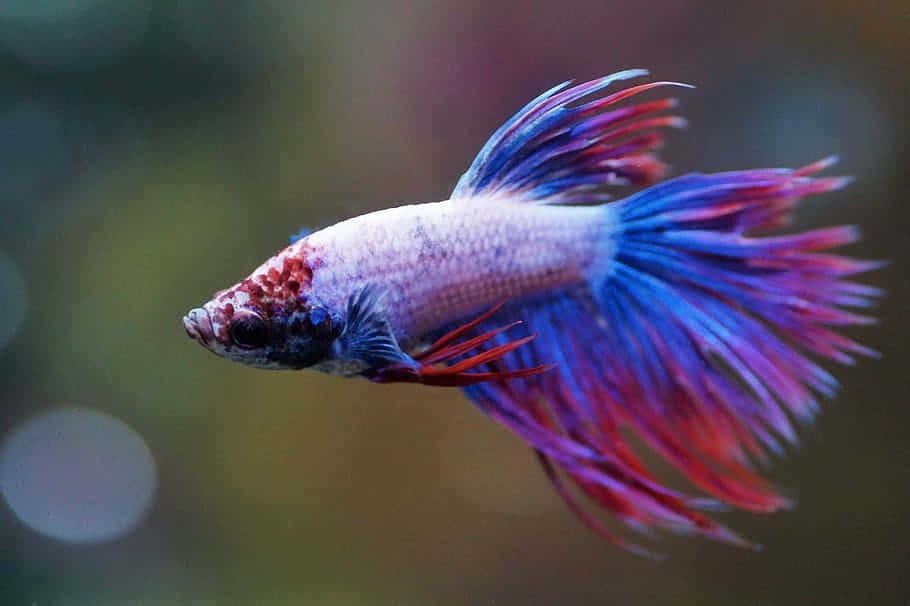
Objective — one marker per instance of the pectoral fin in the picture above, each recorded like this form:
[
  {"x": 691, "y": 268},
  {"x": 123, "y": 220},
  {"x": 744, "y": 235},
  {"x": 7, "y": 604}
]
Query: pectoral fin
[{"x": 367, "y": 341}]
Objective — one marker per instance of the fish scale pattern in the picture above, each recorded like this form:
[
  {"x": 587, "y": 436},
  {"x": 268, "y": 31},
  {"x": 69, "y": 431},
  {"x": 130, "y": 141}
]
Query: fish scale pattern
[{"x": 441, "y": 261}]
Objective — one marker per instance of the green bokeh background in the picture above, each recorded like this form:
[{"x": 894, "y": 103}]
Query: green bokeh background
[{"x": 137, "y": 179}]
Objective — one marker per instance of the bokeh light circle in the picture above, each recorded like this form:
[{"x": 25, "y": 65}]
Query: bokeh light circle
[
  {"x": 13, "y": 299},
  {"x": 77, "y": 475}
]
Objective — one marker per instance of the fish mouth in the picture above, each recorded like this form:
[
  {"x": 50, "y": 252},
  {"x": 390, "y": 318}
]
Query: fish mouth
[{"x": 198, "y": 326}]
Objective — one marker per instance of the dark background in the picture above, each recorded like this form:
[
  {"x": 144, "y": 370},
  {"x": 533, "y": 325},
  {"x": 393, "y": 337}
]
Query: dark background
[{"x": 153, "y": 152}]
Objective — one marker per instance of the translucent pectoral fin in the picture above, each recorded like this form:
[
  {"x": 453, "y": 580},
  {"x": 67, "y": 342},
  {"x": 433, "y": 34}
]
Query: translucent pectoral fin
[
  {"x": 449, "y": 361},
  {"x": 367, "y": 340}
]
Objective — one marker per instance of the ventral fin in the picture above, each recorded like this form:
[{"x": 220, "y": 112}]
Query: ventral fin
[{"x": 449, "y": 362}]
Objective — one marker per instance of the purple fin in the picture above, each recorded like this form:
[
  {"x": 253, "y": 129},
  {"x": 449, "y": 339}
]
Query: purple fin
[
  {"x": 697, "y": 341},
  {"x": 560, "y": 151}
]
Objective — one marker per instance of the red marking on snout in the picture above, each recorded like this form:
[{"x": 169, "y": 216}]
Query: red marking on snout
[{"x": 282, "y": 285}]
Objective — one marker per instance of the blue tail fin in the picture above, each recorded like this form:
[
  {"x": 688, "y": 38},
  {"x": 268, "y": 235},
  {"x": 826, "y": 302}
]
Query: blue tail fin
[{"x": 697, "y": 340}]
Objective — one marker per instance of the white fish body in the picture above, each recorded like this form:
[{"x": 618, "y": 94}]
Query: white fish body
[{"x": 440, "y": 261}]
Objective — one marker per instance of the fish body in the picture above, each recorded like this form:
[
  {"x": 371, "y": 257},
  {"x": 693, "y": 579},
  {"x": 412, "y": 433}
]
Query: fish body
[
  {"x": 439, "y": 262},
  {"x": 670, "y": 312}
]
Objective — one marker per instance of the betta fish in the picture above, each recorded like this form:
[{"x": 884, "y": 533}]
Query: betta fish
[{"x": 575, "y": 318}]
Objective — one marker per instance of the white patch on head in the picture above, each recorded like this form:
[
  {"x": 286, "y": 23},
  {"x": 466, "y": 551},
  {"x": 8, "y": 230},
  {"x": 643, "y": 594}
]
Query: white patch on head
[{"x": 215, "y": 308}]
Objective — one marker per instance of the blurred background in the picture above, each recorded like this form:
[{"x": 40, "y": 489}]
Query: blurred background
[{"x": 153, "y": 152}]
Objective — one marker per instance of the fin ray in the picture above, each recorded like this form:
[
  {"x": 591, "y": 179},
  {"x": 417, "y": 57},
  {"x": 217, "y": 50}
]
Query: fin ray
[
  {"x": 697, "y": 339},
  {"x": 425, "y": 367},
  {"x": 552, "y": 151}
]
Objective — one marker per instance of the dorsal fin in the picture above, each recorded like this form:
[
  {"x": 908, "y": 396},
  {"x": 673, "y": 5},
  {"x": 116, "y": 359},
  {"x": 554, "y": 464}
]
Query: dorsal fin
[{"x": 553, "y": 153}]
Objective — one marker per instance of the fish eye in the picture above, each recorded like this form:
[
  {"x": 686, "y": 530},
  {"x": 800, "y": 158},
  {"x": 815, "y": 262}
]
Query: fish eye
[{"x": 248, "y": 331}]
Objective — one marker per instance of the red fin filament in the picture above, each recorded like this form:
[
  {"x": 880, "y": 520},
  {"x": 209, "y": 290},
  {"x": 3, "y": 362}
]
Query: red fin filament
[{"x": 437, "y": 365}]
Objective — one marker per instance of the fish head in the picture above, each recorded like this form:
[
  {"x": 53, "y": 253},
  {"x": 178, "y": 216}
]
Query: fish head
[{"x": 270, "y": 319}]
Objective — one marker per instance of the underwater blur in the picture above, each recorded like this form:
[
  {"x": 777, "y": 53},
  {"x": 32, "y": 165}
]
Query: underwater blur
[{"x": 152, "y": 152}]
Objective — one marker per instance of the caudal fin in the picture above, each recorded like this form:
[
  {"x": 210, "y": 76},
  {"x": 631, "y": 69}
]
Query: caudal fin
[
  {"x": 697, "y": 336},
  {"x": 715, "y": 321}
]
